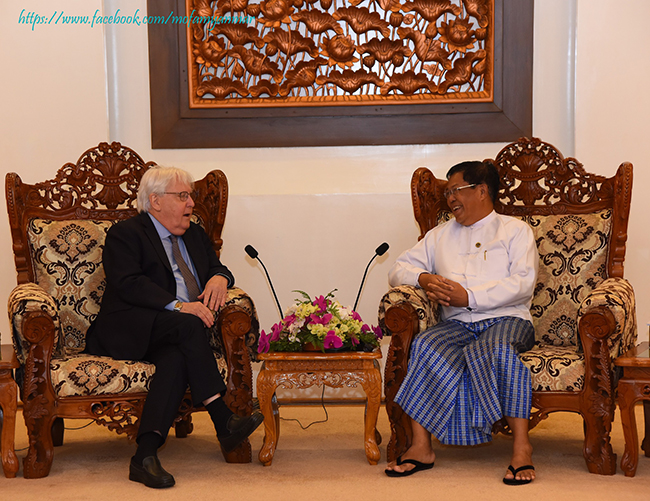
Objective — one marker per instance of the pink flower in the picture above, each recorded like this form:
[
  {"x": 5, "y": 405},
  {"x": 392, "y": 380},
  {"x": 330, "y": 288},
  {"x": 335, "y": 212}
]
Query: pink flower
[
  {"x": 321, "y": 302},
  {"x": 354, "y": 340},
  {"x": 324, "y": 320},
  {"x": 263, "y": 345},
  {"x": 378, "y": 332},
  {"x": 289, "y": 319},
  {"x": 356, "y": 316},
  {"x": 332, "y": 341},
  {"x": 277, "y": 329}
]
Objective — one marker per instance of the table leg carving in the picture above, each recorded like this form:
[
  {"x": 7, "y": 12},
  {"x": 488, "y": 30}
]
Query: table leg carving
[
  {"x": 266, "y": 386},
  {"x": 372, "y": 386},
  {"x": 8, "y": 399},
  {"x": 645, "y": 445},
  {"x": 627, "y": 397}
]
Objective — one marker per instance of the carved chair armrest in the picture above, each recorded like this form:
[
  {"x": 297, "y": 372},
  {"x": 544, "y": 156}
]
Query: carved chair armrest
[
  {"x": 237, "y": 321},
  {"x": 237, "y": 297},
  {"x": 609, "y": 313},
  {"x": 24, "y": 302},
  {"x": 403, "y": 312},
  {"x": 427, "y": 312}
]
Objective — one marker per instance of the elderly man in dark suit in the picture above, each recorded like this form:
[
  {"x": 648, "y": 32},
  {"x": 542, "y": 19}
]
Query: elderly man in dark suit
[{"x": 164, "y": 283}]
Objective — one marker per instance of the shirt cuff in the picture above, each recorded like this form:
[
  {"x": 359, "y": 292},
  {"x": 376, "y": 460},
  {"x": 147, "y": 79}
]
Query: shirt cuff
[
  {"x": 170, "y": 306},
  {"x": 230, "y": 283}
]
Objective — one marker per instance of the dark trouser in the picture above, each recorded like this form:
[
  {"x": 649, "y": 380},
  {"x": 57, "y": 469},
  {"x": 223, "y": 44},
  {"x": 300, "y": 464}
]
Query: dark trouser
[{"x": 180, "y": 351}]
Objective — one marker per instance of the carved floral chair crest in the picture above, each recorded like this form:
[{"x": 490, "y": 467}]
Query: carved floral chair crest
[
  {"x": 58, "y": 229},
  {"x": 583, "y": 309}
]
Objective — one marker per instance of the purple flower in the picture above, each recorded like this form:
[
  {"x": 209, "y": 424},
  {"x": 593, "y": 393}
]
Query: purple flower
[
  {"x": 289, "y": 319},
  {"x": 332, "y": 340},
  {"x": 276, "y": 329},
  {"x": 354, "y": 340},
  {"x": 263, "y": 345},
  {"x": 324, "y": 320},
  {"x": 356, "y": 316},
  {"x": 378, "y": 332},
  {"x": 321, "y": 302}
]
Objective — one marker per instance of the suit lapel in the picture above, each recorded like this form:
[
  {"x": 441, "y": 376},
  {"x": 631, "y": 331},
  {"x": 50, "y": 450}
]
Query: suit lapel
[{"x": 154, "y": 238}]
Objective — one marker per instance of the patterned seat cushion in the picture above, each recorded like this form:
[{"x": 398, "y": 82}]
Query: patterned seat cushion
[
  {"x": 555, "y": 368},
  {"x": 86, "y": 375}
]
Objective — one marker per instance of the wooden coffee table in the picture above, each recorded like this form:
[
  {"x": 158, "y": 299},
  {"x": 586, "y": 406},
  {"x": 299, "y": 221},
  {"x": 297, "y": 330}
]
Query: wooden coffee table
[
  {"x": 8, "y": 402},
  {"x": 632, "y": 387},
  {"x": 305, "y": 369}
]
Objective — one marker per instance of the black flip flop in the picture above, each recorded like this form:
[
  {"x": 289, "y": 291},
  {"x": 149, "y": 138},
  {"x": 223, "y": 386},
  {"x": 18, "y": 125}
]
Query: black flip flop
[
  {"x": 419, "y": 466},
  {"x": 515, "y": 480}
]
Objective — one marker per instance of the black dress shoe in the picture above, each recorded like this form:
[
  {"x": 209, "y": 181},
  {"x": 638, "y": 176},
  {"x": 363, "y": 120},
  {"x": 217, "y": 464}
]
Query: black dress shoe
[
  {"x": 240, "y": 428},
  {"x": 150, "y": 473}
]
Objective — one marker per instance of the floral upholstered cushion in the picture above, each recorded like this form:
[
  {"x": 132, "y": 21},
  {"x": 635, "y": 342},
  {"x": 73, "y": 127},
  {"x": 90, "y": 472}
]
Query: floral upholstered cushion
[
  {"x": 67, "y": 258},
  {"x": 85, "y": 375},
  {"x": 555, "y": 368},
  {"x": 573, "y": 255}
]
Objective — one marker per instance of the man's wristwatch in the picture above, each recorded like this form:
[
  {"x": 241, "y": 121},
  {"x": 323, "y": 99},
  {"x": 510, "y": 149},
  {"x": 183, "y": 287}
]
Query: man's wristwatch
[{"x": 178, "y": 306}]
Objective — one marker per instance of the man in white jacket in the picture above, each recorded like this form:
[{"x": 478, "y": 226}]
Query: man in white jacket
[{"x": 464, "y": 373}]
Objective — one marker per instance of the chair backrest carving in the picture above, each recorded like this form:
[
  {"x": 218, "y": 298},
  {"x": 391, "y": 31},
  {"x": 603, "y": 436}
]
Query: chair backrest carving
[
  {"x": 58, "y": 228},
  {"x": 579, "y": 220}
]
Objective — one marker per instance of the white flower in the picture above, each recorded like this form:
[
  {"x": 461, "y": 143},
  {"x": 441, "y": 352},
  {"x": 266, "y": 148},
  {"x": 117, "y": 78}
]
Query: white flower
[{"x": 296, "y": 326}]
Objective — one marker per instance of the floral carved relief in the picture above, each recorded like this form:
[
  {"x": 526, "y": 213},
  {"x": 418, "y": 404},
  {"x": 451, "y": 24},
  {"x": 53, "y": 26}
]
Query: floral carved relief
[{"x": 339, "y": 52}]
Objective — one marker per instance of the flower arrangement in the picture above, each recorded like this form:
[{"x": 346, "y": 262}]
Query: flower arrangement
[{"x": 323, "y": 323}]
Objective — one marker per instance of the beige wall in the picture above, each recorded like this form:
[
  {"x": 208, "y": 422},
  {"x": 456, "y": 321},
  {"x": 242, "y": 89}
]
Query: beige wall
[{"x": 315, "y": 214}]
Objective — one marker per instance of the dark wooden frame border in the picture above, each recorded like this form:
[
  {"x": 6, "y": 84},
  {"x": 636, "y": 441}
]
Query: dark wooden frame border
[{"x": 508, "y": 117}]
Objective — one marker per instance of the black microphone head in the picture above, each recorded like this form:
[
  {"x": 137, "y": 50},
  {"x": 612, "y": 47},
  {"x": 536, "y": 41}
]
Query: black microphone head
[
  {"x": 381, "y": 250},
  {"x": 250, "y": 250}
]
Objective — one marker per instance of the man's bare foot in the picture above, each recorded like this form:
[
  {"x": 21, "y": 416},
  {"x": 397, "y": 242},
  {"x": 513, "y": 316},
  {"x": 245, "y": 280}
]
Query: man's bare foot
[
  {"x": 421, "y": 454},
  {"x": 521, "y": 456}
]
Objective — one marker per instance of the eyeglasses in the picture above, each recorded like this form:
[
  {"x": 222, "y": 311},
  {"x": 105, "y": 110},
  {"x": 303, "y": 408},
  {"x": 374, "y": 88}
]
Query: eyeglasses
[
  {"x": 454, "y": 191},
  {"x": 183, "y": 195}
]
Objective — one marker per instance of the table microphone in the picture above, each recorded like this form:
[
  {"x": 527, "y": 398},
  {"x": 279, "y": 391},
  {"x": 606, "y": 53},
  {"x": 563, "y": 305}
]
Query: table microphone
[
  {"x": 253, "y": 254},
  {"x": 379, "y": 251}
]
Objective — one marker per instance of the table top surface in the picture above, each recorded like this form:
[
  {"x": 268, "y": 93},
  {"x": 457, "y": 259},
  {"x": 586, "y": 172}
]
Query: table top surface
[
  {"x": 639, "y": 356},
  {"x": 318, "y": 355},
  {"x": 8, "y": 357}
]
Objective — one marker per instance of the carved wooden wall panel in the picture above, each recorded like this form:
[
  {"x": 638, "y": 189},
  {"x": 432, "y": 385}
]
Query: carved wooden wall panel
[
  {"x": 346, "y": 52},
  {"x": 340, "y": 72}
]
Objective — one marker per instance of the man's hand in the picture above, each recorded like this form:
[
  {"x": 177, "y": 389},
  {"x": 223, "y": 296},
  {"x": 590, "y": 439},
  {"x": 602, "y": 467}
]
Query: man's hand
[
  {"x": 443, "y": 291},
  {"x": 215, "y": 293},
  {"x": 198, "y": 309}
]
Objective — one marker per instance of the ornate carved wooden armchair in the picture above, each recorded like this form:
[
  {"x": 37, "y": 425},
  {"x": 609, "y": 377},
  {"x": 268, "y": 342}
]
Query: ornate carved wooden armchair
[
  {"x": 58, "y": 229},
  {"x": 583, "y": 308}
]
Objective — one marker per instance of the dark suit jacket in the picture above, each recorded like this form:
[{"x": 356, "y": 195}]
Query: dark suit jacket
[{"x": 140, "y": 283}]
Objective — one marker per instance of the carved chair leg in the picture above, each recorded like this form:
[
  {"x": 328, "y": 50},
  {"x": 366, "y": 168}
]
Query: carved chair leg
[
  {"x": 38, "y": 462},
  {"x": 598, "y": 453},
  {"x": 58, "y": 429},
  {"x": 242, "y": 454},
  {"x": 184, "y": 427}
]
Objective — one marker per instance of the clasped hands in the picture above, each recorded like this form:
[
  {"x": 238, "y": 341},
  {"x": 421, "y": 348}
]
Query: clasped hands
[
  {"x": 209, "y": 301},
  {"x": 443, "y": 291}
]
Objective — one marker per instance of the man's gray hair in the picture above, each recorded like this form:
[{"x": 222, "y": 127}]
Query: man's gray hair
[{"x": 156, "y": 180}]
